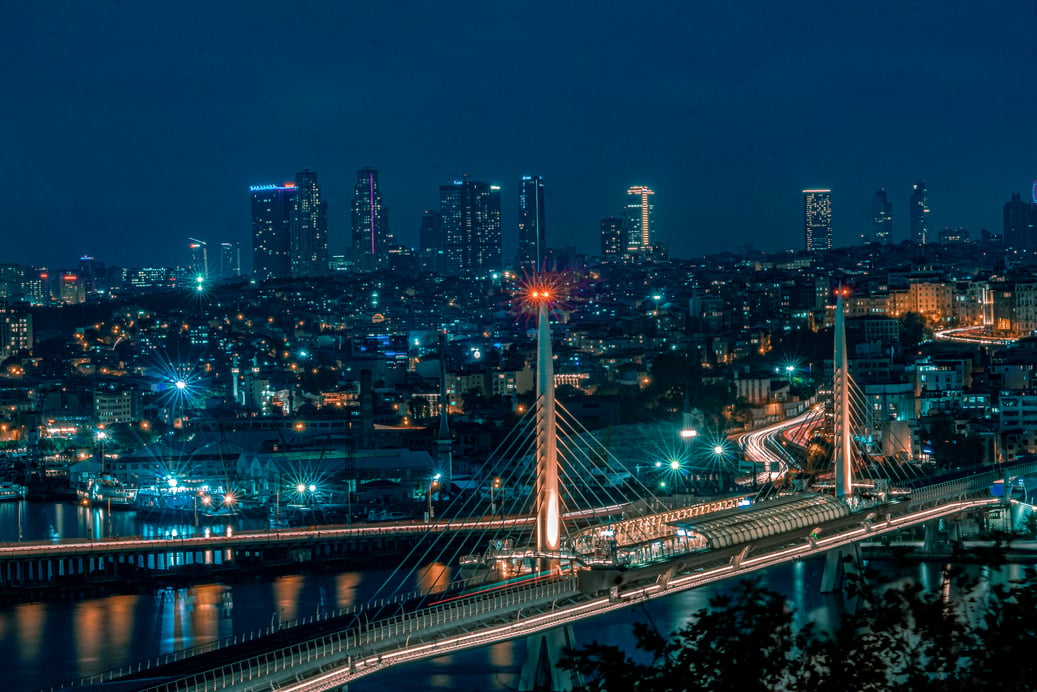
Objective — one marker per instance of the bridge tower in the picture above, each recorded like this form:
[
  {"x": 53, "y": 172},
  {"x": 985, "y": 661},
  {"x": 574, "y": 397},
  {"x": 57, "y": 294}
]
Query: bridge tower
[
  {"x": 839, "y": 561},
  {"x": 841, "y": 404},
  {"x": 546, "y": 649},
  {"x": 548, "y": 499}
]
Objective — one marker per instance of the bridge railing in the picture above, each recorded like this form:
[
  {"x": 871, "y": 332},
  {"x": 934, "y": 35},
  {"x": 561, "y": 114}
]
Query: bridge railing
[
  {"x": 381, "y": 636},
  {"x": 360, "y": 613}
]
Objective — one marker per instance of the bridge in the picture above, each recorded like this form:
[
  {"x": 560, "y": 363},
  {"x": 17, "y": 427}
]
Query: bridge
[{"x": 593, "y": 547}]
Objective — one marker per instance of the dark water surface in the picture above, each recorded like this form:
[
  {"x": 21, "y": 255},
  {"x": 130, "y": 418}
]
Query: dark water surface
[{"x": 44, "y": 644}]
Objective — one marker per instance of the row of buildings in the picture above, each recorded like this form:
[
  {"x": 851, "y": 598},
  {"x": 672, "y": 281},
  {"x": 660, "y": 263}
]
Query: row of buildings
[
  {"x": 464, "y": 236},
  {"x": 1019, "y": 227},
  {"x": 373, "y": 360}
]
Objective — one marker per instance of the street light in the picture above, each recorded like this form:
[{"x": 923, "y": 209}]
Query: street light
[
  {"x": 431, "y": 486},
  {"x": 495, "y": 486},
  {"x": 101, "y": 437}
]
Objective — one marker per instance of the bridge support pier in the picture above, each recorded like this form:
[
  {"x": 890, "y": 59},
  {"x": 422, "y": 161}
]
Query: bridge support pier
[
  {"x": 933, "y": 540},
  {"x": 543, "y": 652},
  {"x": 840, "y": 562}
]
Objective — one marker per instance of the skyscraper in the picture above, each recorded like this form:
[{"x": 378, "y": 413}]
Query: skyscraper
[
  {"x": 881, "y": 218},
  {"x": 230, "y": 260},
  {"x": 817, "y": 220},
  {"x": 531, "y": 236},
  {"x": 15, "y": 330},
  {"x": 613, "y": 241},
  {"x": 370, "y": 222},
  {"x": 472, "y": 223},
  {"x": 1019, "y": 223},
  {"x": 432, "y": 241},
  {"x": 271, "y": 230},
  {"x": 199, "y": 257},
  {"x": 918, "y": 213},
  {"x": 639, "y": 219},
  {"x": 309, "y": 228}
]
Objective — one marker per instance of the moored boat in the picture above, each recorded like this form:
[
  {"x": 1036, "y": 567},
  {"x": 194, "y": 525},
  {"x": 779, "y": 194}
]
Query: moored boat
[{"x": 11, "y": 492}]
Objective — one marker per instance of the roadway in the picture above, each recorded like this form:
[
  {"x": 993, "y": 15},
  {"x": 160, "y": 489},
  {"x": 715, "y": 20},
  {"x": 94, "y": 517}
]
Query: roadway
[
  {"x": 970, "y": 335},
  {"x": 765, "y": 444}
]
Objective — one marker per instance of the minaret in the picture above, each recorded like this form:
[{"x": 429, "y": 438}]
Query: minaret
[
  {"x": 548, "y": 501},
  {"x": 841, "y": 404},
  {"x": 444, "y": 443}
]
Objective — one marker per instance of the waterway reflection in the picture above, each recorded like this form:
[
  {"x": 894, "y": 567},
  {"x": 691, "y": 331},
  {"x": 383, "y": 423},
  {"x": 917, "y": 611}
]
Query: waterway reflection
[{"x": 44, "y": 644}]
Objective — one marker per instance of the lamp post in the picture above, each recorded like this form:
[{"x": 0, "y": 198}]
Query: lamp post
[
  {"x": 433, "y": 484},
  {"x": 494, "y": 487},
  {"x": 720, "y": 452}
]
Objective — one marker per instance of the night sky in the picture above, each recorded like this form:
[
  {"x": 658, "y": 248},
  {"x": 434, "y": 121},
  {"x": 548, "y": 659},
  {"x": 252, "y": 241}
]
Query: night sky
[{"x": 129, "y": 126}]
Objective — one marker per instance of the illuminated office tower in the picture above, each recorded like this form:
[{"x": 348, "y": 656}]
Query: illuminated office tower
[
  {"x": 639, "y": 219},
  {"x": 817, "y": 220},
  {"x": 613, "y": 242},
  {"x": 881, "y": 218},
  {"x": 199, "y": 258},
  {"x": 15, "y": 330},
  {"x": 370, "y": 221},
  {"x": 531, "y": 236},
  {"x": 230, "y": 260},
  {"x": 308, "y": 236},
  {"x": 472, "y": 222},
  {"x": 271, "y": 230},
  {"x": 918, "y": 213}
]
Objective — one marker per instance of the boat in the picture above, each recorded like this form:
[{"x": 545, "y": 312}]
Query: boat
[
  {"x": 11, "y": 492},
  {"x": 108, "y": 492},
  {"x": 199, "y": 502}
]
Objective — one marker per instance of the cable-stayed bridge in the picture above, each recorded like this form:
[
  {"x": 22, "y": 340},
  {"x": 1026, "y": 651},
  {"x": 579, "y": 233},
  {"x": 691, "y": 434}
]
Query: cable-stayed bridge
[{"x": 570, "y": 535}]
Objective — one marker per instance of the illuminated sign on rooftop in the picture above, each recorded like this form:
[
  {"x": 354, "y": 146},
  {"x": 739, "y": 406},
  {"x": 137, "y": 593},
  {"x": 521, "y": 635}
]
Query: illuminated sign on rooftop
[{"x": 268, "y": 188}]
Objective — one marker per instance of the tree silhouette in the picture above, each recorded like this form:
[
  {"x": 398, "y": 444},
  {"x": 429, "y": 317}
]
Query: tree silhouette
[{"x": 892, "y": 638}]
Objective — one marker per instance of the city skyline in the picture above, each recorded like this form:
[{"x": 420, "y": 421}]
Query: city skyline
[{"x": 717, "y": 126}]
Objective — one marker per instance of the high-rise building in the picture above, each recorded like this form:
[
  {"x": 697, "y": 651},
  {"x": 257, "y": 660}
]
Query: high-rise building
[
  {"x": 370, "y": 221},
  {"x": 881, "y": 218},
  {"x": 308, "y": 235},
  {"x": 1019, "y": 220},
  {"x": 472, "y": 223},
  {"x": 639, "y": 216},
  {"x": 230, "y": 260},
  {"x": 199, "y": 257},
  {"x": 271, "y": 230},
  {"x": 613, "y": 239},
  {"x": 531, "y": 235},
  {"x": 918, "y": 213},
  {"x": 432, "y": 241},
  {"x": 93, "y": 274},
  {"x": 15, "y": 330},
  {"x": 817, "y": 220}
]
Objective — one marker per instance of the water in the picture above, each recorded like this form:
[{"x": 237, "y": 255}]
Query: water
[
  {"x": 33, "y": 521},
  {"x": 44, "y": 644}
]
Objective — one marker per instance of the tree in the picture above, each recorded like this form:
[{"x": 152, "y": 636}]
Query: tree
[
  {"x": 743, "y": 641},
  {"x": 901, "y": 638},
  {"x": 913, "y": 329}
]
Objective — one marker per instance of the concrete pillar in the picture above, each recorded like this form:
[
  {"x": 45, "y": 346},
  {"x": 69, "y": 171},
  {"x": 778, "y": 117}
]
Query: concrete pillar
[
  {"x": 840, "y": 562},
  {"x": 931, "y": 538},
  {"x": 543, "y": 652}
]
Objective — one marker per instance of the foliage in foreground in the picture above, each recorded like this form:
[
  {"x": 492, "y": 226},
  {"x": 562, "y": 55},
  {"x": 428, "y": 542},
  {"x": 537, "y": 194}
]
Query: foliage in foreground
[{"x": 895, "y": 638}]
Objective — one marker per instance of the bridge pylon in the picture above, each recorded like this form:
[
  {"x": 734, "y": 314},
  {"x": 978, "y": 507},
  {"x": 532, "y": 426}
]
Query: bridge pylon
[
  {"x": 841, "y": 405},
  {"x": 548, "y": 498},
  {"x": 543, "y": 652}
]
